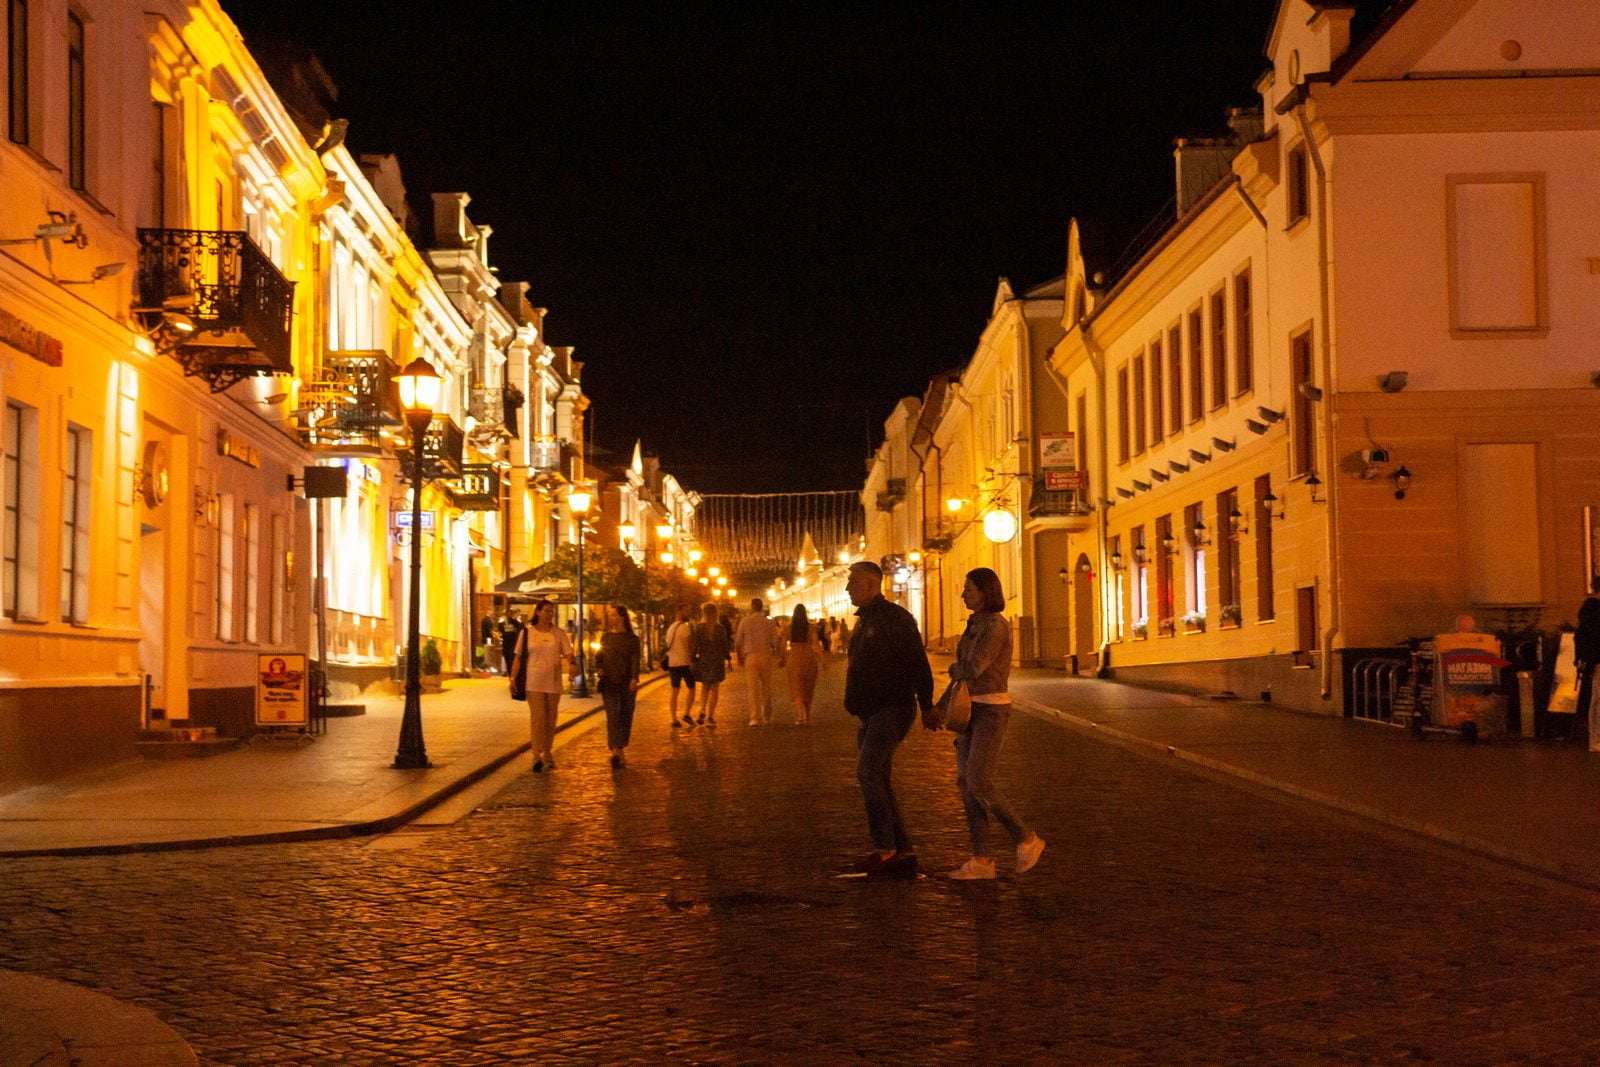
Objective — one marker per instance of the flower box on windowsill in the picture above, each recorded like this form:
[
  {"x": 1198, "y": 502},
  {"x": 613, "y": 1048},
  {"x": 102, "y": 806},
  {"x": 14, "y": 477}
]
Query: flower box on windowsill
[{"x": 1194, "y": 623}]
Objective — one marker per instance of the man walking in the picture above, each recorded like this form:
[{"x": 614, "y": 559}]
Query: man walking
[
  {"x": 756, "y": 641},
  {"x": 887, "y": 680},
  {"x": 680, "y": 663}
]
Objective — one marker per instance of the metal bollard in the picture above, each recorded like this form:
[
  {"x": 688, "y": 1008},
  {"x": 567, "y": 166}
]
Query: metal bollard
[{"x": 1525, "y": 701}]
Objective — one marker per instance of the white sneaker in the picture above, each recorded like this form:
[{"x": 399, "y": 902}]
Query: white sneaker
[
  {"x": 1028, "y": 852},
  {"x": 978, "y": 868}
]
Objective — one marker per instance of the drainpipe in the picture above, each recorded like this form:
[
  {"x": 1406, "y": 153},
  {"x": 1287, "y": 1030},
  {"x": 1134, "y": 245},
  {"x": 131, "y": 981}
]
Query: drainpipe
[
  {"x": 1097, "y": 359},
  {"x": 1325, "y": 274}
]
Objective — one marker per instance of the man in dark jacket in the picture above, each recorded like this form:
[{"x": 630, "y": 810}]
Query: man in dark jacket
[{"x": 887, "y": 680}]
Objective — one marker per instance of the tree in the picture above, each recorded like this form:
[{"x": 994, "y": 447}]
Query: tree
[{"x": 609, "y": 575}]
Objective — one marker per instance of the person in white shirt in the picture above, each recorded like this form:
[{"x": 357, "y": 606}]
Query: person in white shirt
[
  {"x": 542, "y": 650},
  {"x": 756, "y": 642},
  {"x": 680, "y": 664}
]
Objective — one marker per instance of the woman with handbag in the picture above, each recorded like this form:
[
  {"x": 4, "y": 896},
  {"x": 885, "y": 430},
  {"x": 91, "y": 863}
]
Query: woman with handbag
[
  {"x": 983, "y": 661},
  {"x": 619, "y": 680},
  {"x": 709, "y": 648},
  {"x": 540, "y": 653},
  {"x": 803, "y": 660}
]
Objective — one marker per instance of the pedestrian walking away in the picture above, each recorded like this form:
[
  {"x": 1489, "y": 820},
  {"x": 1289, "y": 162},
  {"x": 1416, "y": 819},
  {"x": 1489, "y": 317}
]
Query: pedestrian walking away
[
  {"x": 680, "y": 663},
  {"x": 756, "y": 641},
  {"x": 510, "y": 633},
  {"x": 619, "y": 680},
  {"x": 543, "y": 651},
  {"x": 983, "y": 661},
  {"x": 709, "y": 654},
  {"x": 887, "y": 680},
  {"x": 802, "y": 661}
]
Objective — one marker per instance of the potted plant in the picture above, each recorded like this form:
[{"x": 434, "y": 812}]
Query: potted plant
[
  {"x": 1165, "y": 627},
  {"x": 1230, "y": 615},
  {"x": 1195, "y": 622},
  {"x": 1141, "y": 629},
  {"x": 432, "y": 667}
]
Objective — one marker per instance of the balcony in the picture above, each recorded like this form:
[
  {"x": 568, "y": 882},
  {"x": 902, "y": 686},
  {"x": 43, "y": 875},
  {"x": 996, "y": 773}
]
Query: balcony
[
  {"x": 893, "y": 492},
  {"x": 1059, "y": 504},
  {"x": 494, "y": 411},
  {"x": 216, "y": 303},
  {"x": 478, "y": 488},
  {"x": 443, "y": 446},
  {"x": 350, "y": 406}
]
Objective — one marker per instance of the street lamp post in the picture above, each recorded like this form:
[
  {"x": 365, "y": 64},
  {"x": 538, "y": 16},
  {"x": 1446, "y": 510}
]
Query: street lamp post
[
  {"x": 419, "y": 393},
  {"x": 578, "y": 501}
]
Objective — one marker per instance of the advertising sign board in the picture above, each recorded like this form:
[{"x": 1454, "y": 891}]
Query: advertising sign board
[{"x": 281, "y": 690}]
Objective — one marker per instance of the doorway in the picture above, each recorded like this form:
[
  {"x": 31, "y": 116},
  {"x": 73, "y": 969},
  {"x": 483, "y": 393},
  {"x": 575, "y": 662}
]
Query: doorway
[
  {"x": 1084, "y": 594},
  {"x": 153, "y": 621}
]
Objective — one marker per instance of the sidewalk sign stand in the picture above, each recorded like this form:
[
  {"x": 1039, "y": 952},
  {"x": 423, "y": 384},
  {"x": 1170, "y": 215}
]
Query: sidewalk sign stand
[
  {"x": 282, "y": 689},
  {"x": 1467, "y": 694}
]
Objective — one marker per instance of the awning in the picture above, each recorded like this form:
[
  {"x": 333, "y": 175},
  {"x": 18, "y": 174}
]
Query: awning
[{"x": 526, "y": 586}]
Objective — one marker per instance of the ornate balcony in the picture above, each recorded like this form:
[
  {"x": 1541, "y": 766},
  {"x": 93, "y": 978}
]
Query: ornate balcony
[
  {"x": 1058, "y": 504},
  {"x": 353, "y": 402},
  {"x": 478, "y": 488},
  {"x": 494, "y": 411},
  {"x": 216, "y": 303},
  {"x": 442, "y": 448}
]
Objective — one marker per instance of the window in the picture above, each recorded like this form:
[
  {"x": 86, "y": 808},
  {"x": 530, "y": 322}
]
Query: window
[
  {"x": 76, "y": 466},
  {"x": 1243, "y": 352},
  {"x": 17, "y": 68},
  {"x": 224, "y": 569},
  {"x": 1499, "y": 509},
  {"x": 19, "y": 545},
  {"x": 1227, "y": 536},
  {"x": 1304, "y": 451},
  {"x": 1141, "y": 580},
  {"x": 1122, "y": 414},
  {"x": 1156, "y": 394},
  {"x": 1496, "y": 232},
  {"x": 1219, "y": 348},
  {"x": 1305, "y": 618},
  {"x": 1081, "y": 441},
  {"x": 1175, "y": 383},
  {"x": 1164, "y": 547},
  {"x": 1138, "y": 404},
  {"x": 1297, "y": 174},
  {"x": 252, "y": 572},
  {"x": 1121, "y": 621},
  {"x": 1197, "y": 367},
  {"x": 75, "y": 102},
  {"x": 1194, "y": 531},
  {"x": 156, "y": 209},
  {"x": 1265, "y": 508},
  {"x": 280, "y": 581}
]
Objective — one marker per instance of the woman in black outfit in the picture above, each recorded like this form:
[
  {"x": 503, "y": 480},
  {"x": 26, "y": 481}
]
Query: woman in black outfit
[{"x": 619, "y": 679}]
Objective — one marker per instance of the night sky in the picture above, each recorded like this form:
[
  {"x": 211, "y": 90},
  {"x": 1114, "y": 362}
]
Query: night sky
[{"x": 760, "y": 230}]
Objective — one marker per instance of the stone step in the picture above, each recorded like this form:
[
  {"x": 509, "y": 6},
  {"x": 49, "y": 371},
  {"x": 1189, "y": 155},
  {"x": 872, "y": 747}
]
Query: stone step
[{"x": 182, "y": 742}]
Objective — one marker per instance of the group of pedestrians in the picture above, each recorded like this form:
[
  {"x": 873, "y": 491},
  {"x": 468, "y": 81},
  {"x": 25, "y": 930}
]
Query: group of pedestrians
[{"x": 887, "y": 681}]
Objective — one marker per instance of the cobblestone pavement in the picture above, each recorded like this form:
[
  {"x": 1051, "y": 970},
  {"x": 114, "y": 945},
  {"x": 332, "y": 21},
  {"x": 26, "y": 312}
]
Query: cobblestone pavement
[{"x": 687, "y": 909}]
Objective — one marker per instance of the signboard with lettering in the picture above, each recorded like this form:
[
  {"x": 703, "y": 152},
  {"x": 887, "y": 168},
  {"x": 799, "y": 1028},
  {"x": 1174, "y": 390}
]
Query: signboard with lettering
[
  {"x": 1058, "y": 480},
  {"x": 1055, "y": 451},
  {"x": 402, "y": 519},
  {"x": 26, "y": 338},
  {"x": 281, "y": 690}
]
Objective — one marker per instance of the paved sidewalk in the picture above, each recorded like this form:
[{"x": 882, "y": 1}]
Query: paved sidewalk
[
  {"x": 1525, "y": 802},
  {"x": 338, "y": 784}
]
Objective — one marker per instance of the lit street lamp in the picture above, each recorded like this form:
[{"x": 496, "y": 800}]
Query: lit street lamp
[
  {"x": 578, "y": 500},
  {"x": 419, "y": 394}
]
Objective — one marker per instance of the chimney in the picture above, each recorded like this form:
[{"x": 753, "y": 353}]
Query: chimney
[{"x": 1202, "y": 163}]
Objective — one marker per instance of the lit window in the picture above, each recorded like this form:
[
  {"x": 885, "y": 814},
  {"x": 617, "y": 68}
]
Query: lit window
[
  {"x": 76, "y": 464},
  {"x": 17, "y": 68},
  {"x": 223, "y": 601}
]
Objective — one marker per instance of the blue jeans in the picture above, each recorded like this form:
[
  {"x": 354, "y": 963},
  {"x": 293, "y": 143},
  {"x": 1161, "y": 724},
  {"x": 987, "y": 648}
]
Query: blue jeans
[
  {"x": 878, "y": 736},
  {"x": 619, "y": 701},
  {"x": 976, "y": 752}
]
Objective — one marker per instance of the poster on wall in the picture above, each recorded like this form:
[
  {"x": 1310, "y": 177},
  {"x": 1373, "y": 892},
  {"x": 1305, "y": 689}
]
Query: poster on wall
[
  {"x": 1056, "y": 452},
  {"x": 281, "y": 690}
]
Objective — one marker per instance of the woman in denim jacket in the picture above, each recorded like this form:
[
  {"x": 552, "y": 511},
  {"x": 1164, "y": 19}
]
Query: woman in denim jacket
[{"x": 983, "y": 661}]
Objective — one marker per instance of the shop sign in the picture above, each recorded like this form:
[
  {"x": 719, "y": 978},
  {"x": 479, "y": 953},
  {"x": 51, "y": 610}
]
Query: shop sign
[
  {"x": 1056, "y": 452},
  {"x": 237, "y": 450},
  {"x": 25, "y": 338},
  {"x": 1058, "y": 480},
  {"x": 281, "y": 690},
  {"x": 402, "y": 519}
]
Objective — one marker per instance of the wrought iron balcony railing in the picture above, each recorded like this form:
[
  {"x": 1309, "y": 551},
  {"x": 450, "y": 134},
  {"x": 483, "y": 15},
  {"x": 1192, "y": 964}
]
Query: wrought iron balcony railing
[
  {"x": 443, "y": 446},
  {"x": 353, "y": 402},
  {"x": 214, "y": 301},
  {"x": 1069, "y": 503},
  {"x": 478, "y": 488},
  {"x": 494, "y": 411}
]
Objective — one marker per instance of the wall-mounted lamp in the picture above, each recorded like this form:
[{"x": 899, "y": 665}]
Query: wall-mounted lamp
[
  {"x": 1198, "y": 532},
  {"x": 1236, "y": 517},
  {"x": 664, "y": 530},
  {"x": 1140, "y": 555},
  {"x": 913, "y": 557},
  {"x": 1065, "y": 575},
  {"x": 1169, "y": 544},
  {"x": 954, "y": 504},
  {"x": 1271, "y": 502},
  {"x": 1310, "y": 392},
  {"x": 63, "y": 226},
  {"x": 1269, "y": 416},
  {"x": 1116, "y": 561},
  {"x": 1392, "y": 382},
  {"x": 1314, "y": 484},
  {"x": 1223, "y": 446},
  {"x": 628, "y": 531},
  {"x": 1255, "y": 427},
  {"x": 1402, "y": 482},
  {"x": 104, "y": 270},
  {"x": 1199, "y": 456}
]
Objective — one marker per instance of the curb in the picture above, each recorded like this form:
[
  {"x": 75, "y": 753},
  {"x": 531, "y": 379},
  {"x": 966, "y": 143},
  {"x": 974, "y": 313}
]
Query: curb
[
  {"x": 58, "y": 1022},
  {"x": 322, "y": 833},
  {"x": 1148, "y": 748}
]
